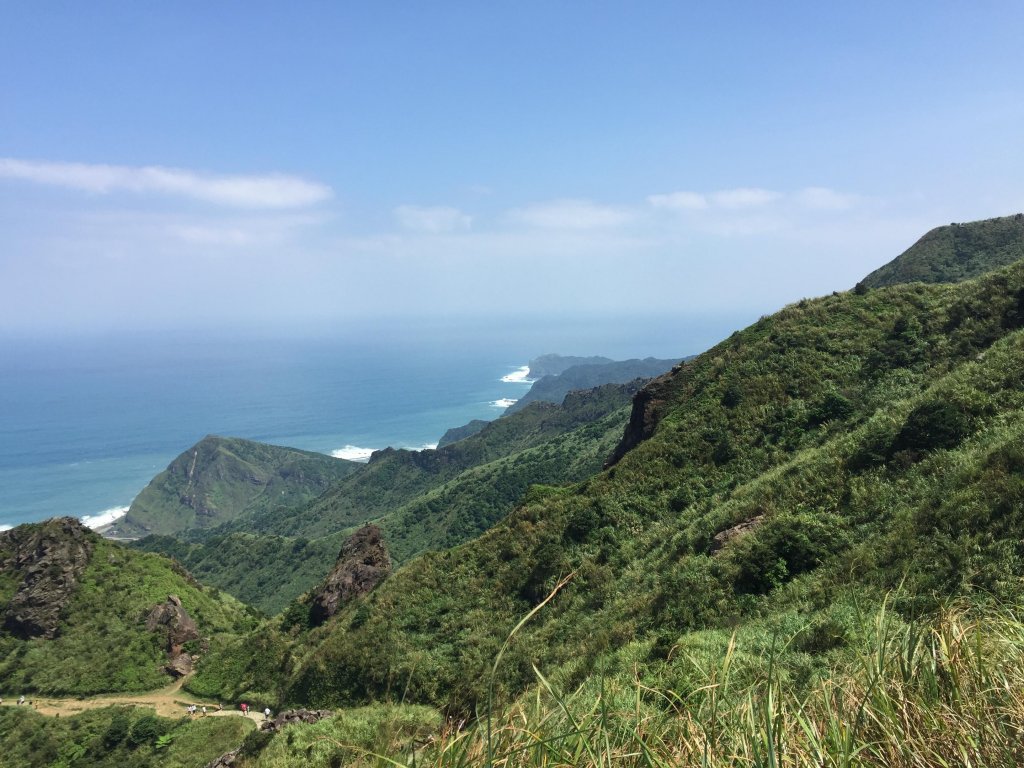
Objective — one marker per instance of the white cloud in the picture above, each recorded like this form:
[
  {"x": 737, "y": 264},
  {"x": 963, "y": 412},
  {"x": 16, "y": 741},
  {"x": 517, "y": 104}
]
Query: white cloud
[
  {"x": 199, "y": 235},
  {"x": 744, "y": 197},
  {"x": 270, "y": 191},
  {"x": 825, "y": 199},
  {"x": 572, "y": 214},
  {"x": 679, "y": 201},
  {"x": 432, "y": 219}
]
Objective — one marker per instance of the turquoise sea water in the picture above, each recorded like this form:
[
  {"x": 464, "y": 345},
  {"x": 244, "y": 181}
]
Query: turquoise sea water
[{"x": 85, "y": 423}]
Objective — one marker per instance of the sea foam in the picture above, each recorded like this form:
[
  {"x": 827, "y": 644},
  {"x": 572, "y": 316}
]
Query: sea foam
[
  {"x": 6, "y": 527},
  {"x": 518, "y": 376},
  {"x": 353, "y": 453},
  {"x": 106, "y": 517},
  {"x": 505, "y": 402}
]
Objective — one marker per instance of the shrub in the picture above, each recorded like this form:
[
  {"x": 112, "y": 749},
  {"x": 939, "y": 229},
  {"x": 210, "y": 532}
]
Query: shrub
[{"x": 933, "y": 425}]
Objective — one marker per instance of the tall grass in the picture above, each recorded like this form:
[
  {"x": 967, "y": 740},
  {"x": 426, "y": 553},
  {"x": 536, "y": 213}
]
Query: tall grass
[{"x": 950, "y": 693}]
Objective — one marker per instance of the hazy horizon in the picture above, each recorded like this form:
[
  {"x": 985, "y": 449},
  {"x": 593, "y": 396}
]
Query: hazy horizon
[{"x": 195, "y": 166}]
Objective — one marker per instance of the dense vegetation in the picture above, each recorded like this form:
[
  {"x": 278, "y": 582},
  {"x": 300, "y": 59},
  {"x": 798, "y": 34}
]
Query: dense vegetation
[
  {"x": 954, "y": 253},
  {"x": 224, "y": 478},
  {"x": 861, "y": 441},
  {"x": 423, "y": 500},
  {"x": 115, "y": 737},
  {"x": 808, "y": 550},
  {"x": 905, "y": 694},
  {"x": 102, "y": 643}
]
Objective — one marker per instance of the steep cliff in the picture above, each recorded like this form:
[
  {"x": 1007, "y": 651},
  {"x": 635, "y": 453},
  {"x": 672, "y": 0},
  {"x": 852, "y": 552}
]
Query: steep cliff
[{"x": 362, "y": 564}]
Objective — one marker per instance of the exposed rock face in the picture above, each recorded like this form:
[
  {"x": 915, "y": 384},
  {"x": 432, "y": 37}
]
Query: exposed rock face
[
  {"x": 740, "y": 529},
  {"x": 646, "y": 413},
  {"x": 50, "y": 558},
  {"x": 308, "y": 716},
  {"x": 227, "y": 760},
  {"x": 362, "y": 564},
  {"x": 172, "y": 620}
]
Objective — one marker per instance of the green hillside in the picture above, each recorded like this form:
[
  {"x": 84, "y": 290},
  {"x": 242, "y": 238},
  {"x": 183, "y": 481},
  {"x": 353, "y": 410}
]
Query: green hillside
[
  {"x": 422, "y": 500},
  {"x": 223, "y": 478},
  {"x": 75, "y": 610},
  {"x": 806, "y": 549},
  {"x": 956, "y": 252},
  {"x": 115, "y": 737},
  {"x": 842, "y": 448},
  {"x": 265, "y": 571}
]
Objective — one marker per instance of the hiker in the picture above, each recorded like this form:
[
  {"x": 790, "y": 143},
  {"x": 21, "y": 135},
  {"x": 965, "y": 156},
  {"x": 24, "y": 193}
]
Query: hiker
[
  {"x": 21, "y": 700},
  {"x": 266, "y": 713},
  {"x": 204, "y": 710},
  {"x": 245, "y": 709}
]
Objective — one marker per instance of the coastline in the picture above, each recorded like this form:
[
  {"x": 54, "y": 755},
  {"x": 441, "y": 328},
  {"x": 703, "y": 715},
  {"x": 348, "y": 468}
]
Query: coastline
[{"x": 504, "y": 391}]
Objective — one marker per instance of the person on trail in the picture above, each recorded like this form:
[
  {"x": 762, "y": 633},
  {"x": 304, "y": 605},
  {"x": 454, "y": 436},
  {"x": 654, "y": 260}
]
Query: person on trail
[
  {"x": 266, "y": 713},
  {"x": 245, "y": 709},
  {"x": 21, "y": 700}
]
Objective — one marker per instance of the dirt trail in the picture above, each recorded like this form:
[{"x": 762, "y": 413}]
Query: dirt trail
[{"x": 168, "y": 702}]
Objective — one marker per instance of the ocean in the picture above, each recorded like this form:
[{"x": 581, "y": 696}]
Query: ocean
[{"x": 86, "y": 422}]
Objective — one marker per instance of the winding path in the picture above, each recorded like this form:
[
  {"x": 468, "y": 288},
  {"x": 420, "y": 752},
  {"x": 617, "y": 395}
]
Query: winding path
[{"x": 168, "y": 702}]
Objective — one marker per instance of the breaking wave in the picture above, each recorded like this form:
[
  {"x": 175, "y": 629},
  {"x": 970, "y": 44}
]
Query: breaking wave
[
  {"x": 353, "y": 453},
  {"x": 106, "y": 517},
  {"x": 518, "y": 376}
]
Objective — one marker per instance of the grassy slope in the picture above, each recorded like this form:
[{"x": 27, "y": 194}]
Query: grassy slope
[
  {"x": 102, "y": 644},
  {"x": 956, "y": 252},
  {"x": 262, "y": 570},
  {"x": 221, "y": 479},
  {"x": 827, "y": 420},
  {"x": 116, "y": 737},
  {"x": 425, "y": 500},
  {"x": 394, "y": 478}
]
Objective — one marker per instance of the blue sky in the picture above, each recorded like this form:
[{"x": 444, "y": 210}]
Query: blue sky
[{"x": 177, "y": 165}]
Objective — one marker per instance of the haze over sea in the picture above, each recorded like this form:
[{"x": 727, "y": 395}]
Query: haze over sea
[{"x": 85, "y": 423}]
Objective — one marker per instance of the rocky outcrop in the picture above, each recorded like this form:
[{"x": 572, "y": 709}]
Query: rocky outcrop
[
  {"x": 455, "y": 434},
  {"x": 227, "y": 760},
  {"x": 291, "y": 716},
  {"x": 171, "y": 620},
  {"x": 362, "y": 564},
  {"x": 646, "y": 413},
  {"x": 729, "y": 534},
  {"x": 50, "y": 559}
]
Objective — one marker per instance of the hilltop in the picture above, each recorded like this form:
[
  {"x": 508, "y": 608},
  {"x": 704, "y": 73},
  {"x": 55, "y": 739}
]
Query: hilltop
[
  {"x": 955, "y": 253},
  {"x": 224, "y": 478}
]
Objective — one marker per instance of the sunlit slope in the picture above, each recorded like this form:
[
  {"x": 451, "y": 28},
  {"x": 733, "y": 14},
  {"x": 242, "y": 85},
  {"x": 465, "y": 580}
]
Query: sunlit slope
[
  {"x": 75, "y": 609},
  {"x": 858, "y": 441},
  {"x": 223, "y": 478},
  {"x": 955, "y": 252},
  {"x": 422, "y": 500}
]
